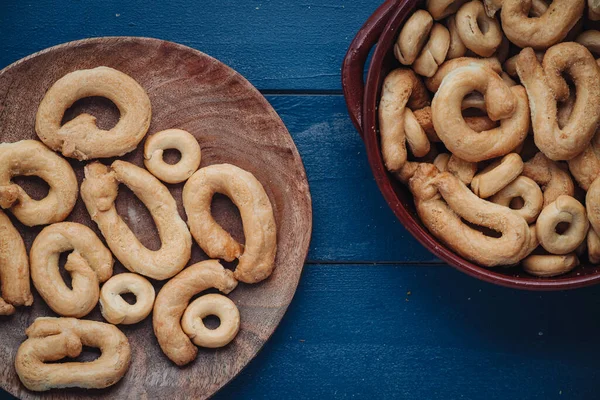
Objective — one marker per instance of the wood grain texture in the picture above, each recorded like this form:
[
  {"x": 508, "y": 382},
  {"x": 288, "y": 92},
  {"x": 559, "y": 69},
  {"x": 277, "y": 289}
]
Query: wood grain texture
[
  {"x": 277, "y": 45},
  {"x": 233, "y": 124}
]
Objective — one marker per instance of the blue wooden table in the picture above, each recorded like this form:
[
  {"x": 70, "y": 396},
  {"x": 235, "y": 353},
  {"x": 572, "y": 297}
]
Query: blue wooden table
[{"x": 375, "y": 315}]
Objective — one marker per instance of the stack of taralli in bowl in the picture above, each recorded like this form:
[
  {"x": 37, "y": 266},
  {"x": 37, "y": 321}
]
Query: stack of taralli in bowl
[{"x": 492, "y": 121}]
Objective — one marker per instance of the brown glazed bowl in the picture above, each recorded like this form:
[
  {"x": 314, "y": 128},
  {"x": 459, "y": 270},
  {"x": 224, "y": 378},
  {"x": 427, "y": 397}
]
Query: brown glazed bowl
[{"x": 362, "y": 99}]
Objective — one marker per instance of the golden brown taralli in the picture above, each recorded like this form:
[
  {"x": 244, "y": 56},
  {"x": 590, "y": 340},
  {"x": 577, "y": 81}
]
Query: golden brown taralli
[
  {"x": 257, "y": 256},
  {"x": 51, "y": 339},
  {"x": 173, "y": 299},
  {"x": 32, "y": 158},
  {"x": 89, "y": 264},
  {"x": 80, "y": 138},
  {"x": 546, "y": 86},
  {"x": 99, "y": 192},
  {"x": 115, "y": 309}
]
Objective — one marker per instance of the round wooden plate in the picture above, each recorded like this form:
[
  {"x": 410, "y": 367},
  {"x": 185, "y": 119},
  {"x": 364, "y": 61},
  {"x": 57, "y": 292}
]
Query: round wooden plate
[{"x": 233, "y": 124}]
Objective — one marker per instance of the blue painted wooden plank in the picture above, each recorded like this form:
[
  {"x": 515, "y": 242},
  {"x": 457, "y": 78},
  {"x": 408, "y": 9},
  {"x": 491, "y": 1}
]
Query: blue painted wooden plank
[
  {"x": 275, "y": 44},
  {"x": 412, "y": 332},
  {"x": 352, "y": 221}
]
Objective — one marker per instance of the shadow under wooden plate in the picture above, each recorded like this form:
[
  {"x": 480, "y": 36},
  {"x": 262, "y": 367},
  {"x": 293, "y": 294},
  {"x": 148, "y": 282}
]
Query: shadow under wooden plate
[{"x": 233, "y": 124}]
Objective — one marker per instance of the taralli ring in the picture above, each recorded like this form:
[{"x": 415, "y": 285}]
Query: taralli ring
[
  {"x": 413, "y": 36},
  {"x": 546, "y": 86},
  {"x": 440, "y": 9},
  {"x": 89, "y": 264},
  {"x": 528, "y": 191},
  {"x": 479, "y": 33},
  {"x": 434, "y": 52},
  {"x": 180, "y": 140},
  {"x": 434, "y": 83},
  {"x": 51, "y": 339},
  {"x": 457, "y": 48},
  {"x": 400, "y": 88},
  {"x": 543, "y": 31},
  {"x": 99, "y": 192},
  {"x": 548, "y": 265},
  {"x": 564, "y": 209},
  {"x": 442, "y": 200},
  {"x": 173, "y": 299},
  {"x": 257, "y": 257},
  {"x": 14, "y": 269},
  {"x": 80, "y": 138},
  {"x": 211, "y": 304},
  {"x": 32, "y": 158},
  {"x": 115, "y": 309},
  {"x": 497, "y": 176},
  {"x": 553, "y": 180},
  {"x": 507, "y": 104}
]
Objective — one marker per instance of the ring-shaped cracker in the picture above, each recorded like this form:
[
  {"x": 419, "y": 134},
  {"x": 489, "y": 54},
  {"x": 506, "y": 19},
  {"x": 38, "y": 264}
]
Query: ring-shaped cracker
[
  {"x": 526, "y": 189},
  {"x": 548, "y": 265},
  {"x": 442, "y": 201},
  {"x": 32, "y": 158},
  {"x": 483, "y": 40},
  {"x": 546, "y": 87},
  {"x": 401, "y": 88},
  {"x": 257, "y": 257},
  {"x": 51, "y": 339},
  {"x": 504, "y": 103},
  {"x": 89, "y": 264},
  {"x": 115, "y": 309},
  {"x": 211, "y": 304},
  {"x": 178, "y": 139},
  {"x": 565, "y": 209},
  {"x": 173, "y": 299},
  {"x": 99, "y": 192},
  {"x": 412, "y": 37},
  {"x": 543, "y": 31},
  {"x": 497, "y": 176},
  {"x": 80, "y": 138}
]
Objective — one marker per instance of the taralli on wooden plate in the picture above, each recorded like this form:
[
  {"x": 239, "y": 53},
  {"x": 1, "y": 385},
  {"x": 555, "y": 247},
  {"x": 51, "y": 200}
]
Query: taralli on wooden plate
[
  {"x": 32, "y": 158},
  {"x": 99, "y": 192},
  {"x": 52, "y": 339},
  {"x": 177, "y": 139},
  {"x": 173, "y": 299},
  {"x": 211, "y": 304},
  {"x": 89, "y": 264},
  {"x": 115, "y": 309},
  {"x": 80, "y": 138},
  {"x": 257, "y": 256},
  {"x": 14, "y": 269}
]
